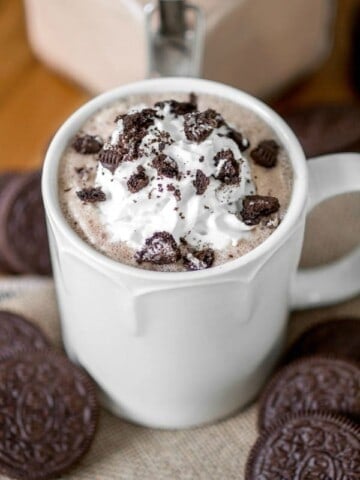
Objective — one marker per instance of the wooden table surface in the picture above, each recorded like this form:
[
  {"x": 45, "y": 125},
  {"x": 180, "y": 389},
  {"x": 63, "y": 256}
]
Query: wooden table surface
[{"x": 35, "y": 100}]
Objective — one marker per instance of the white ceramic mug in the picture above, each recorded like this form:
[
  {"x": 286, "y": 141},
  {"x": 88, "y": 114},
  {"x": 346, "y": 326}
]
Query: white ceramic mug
[{"x": 175, "y": 350}]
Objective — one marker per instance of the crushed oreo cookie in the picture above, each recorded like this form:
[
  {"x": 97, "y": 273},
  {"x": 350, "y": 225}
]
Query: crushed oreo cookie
[
  {"x": 87, "y": 144},
  {"x": 199, "y": 125},
  {"x": 110, "y": 159},
  {"x": 179, "y": 108},
  {"x": 160, "y": 249},
  {"x": 201, "y": 182},
  {"x": 257, "y": 206},
  {"x": 91, "y": 195},
  {"x": 242, "y": 142},
  {"x": 165, "y": 166},
  {"x": 230, "y": 171},
  {"x": 266, "y": 153},
  {"x": 138, "y": 180},
  {"x": 135, "y": 127},
  {"x": 199, "y": 260}
]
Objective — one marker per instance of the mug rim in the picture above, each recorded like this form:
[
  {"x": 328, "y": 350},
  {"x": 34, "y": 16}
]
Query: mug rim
[{"x": 175, "y": 84}]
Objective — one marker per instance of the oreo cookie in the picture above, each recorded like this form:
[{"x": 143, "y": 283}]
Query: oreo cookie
[
  {"x": 17, "y": 333},
  {"x": 312, "y": 384},
  {"x": 340, "y": 337},
  {"x": 307, "y": 446},
  {"x": 48, "y": 414},
  {"x": 23, "y": 235},
  {"x": 5, "y": 179}
]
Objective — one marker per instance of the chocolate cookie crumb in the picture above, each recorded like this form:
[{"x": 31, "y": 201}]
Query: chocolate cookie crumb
[
  {"x": 138, "y": 180},
  {"x": 91, "y": 195},
  {"x": 179, "y": 108},
  {"x": 160, "y": 249},
  {"x": 110, "y": 159},
  {"x": 199, "y": 260},
  {"x": 87, "y": 144},
  {"x": 165, "y": 166},
  {"x": 257, "y": 206},
  {"x": 242, "y": 142},
  {"x": 265, "y": 154},
  {"x": 230, "y": 170},
  {"x": 199, "y": 125},
  {"x": 201, "y": 182}
]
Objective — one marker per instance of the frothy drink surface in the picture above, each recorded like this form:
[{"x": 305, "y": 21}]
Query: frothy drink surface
[{"x": 174, "y": 185}]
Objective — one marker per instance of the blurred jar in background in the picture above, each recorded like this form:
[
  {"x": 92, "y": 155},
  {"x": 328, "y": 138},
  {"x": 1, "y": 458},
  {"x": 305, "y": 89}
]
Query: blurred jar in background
[{"x": 259, "y": 46}]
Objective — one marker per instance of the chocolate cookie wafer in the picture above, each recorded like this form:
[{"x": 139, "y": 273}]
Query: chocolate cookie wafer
[
  {"x": 23, "y": 236},
  {"x": 316, "y": 383},
  {"x": 5, "y": 178},
  {"x": 326, "y": 128},
  {"x": 17, "y": 333},
  {"x": 340, "y": 337},
  {"x": 48, "y": 414},
  {"x": 307, "y": 446}
]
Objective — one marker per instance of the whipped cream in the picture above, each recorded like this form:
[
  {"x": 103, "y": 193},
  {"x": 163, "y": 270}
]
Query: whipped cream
[{"x": 173, "y": 203}]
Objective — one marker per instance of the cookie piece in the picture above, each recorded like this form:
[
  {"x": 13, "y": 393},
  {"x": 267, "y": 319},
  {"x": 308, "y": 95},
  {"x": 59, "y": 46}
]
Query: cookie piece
[
  {"x": 165, "y": 166},
  {"x": 17, "y": 333},
  {"x": 266, "y": 153},
  {"x": 312, "y": 384},
  {"x": 48, "y": 414},
  {"x": 199, "y": 125},
  {"x": 340, "y": 337},
  {"x": 5, "y": 178},
  {"x": 326, "y": 128},
  {"x": 201, "y": 182},
  {"x": 87, "y": 144},
  {"x": 255, "y": 207},
  {"x": 110, "y": 159},
  {"x": 199, "y": 259},
  {"x": 91, "y": 195},
  {"x": 160, "y": 248},
  {"x": 23, "y": 235},
  {"x": 307, "y": 446}
]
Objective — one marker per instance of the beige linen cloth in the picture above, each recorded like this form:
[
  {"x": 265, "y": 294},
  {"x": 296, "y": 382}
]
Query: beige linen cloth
[{"x": 123, "y": 451}]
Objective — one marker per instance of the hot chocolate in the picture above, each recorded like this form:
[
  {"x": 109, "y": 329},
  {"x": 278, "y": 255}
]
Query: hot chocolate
[{"x": 174, "y": 185}]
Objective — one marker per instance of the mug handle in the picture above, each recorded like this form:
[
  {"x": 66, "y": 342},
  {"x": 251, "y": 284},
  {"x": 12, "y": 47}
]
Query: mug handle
[{"x": 329, "y": 176}]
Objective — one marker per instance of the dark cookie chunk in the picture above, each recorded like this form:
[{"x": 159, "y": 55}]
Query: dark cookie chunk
[
  {"x": 5, "y": 178},
  {"x": 135, "y": 127},
  {"x": 48, "y": 414},
  {"x": 312, "y": 384},
  {"x": 199, "y": 260},
  {"x": 165, "y": 166},
  {"x": 230, "y": 170},
  {"x": 160, "y": 248},
  {"x": 242, "y": 142},
  {"x": 138, "y": 180},
  {"x": 201, "y": 182},
  {"x": 87, "y": 144},
  {"x": 110, "y": 159},
  {"x": 257, "y": 206},
  {"x": 223, "y": 155},
  {"x": 17, "y": 333},
  {"x": 199, "y": 125},
  {"x": 340, "y": 337},
  {"x": 91, "y": 195},
  {"x": 307, "y": 447},
  {"x": 266, "y": 153},
  {"x": 23, "y": 234},
  {"x": 179, "y": 108},
  {"x": 326, "y": 128}
]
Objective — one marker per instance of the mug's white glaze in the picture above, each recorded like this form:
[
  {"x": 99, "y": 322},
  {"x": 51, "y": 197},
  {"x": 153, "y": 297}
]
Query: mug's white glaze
[{"x": 174, "y": 350}]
